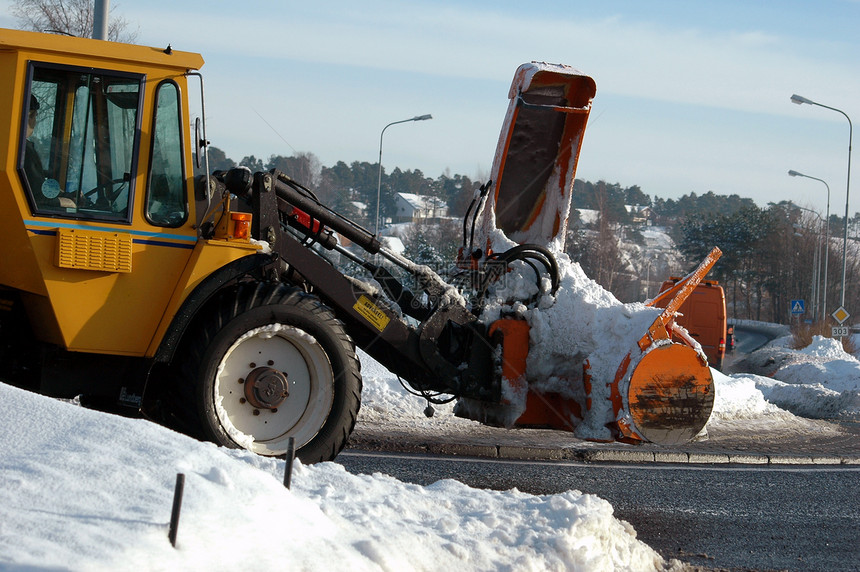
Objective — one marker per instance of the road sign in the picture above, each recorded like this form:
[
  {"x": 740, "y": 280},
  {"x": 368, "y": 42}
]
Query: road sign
[
  {"x": 798, "y": 306},
  {"x": 840, "y": 331},
  {"x": 841, "y": 314}
]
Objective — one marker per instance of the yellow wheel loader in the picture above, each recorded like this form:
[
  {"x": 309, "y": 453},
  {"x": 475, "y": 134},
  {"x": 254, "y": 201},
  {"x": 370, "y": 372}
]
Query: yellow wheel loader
[{"x": 212, "y": 306}]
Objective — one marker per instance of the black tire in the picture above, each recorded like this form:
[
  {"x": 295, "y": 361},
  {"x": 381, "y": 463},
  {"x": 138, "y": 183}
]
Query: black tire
[{"x": 299, "y": 373}]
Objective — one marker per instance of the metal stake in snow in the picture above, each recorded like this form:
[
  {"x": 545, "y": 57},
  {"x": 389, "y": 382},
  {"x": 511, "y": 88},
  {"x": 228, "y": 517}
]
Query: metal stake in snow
[
  {"x": 288, "y": 467},
  {"x": 177, "y": 506}
]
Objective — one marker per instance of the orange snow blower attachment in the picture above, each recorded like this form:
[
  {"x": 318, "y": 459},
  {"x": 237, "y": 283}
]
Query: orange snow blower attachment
[
  {"x": 538, "y": 149},
  {"x": 662, "y": 392}
]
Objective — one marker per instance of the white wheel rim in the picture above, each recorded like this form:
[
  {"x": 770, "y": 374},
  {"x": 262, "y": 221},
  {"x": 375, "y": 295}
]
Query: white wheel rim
[{"x": 311, "y": 389}]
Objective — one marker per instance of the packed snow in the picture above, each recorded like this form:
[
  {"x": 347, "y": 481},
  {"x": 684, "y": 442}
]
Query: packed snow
[
  {"x": 820, "y": 381},
  {"x": 81, "y": 489}
]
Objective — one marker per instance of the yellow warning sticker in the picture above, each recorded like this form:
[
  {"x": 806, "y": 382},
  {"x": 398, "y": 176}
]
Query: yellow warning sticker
[{"x": 371, "y": 312}]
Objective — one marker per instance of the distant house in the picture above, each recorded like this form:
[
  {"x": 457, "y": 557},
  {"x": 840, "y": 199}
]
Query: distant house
[
  {"x": 411, "y": 208},
  {"x": 639, "y": 214}
]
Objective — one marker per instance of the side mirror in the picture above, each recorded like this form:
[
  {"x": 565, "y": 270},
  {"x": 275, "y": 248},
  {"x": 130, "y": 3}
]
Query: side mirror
[{"x": 200, "y": 144}]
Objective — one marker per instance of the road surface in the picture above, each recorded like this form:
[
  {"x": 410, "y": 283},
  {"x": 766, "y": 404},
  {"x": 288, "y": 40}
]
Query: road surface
[{"x": 747, "y": 340}]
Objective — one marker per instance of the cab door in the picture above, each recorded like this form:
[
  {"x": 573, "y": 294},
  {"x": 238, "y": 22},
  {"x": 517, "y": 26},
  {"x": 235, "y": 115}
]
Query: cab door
[{"x": 104, "y": 171}]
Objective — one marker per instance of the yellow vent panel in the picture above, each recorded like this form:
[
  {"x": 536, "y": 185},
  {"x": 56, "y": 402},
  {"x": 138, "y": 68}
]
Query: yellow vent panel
[{"x": 91, "y": 250}]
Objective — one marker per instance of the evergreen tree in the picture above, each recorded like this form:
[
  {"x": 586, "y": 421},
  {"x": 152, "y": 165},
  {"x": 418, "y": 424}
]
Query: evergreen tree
[
  {"x": 634, "y": 196},
  {"x": 256, "y": 165},
  {"x": 457, "y": 191},
  {"x": 420, "y": 249},
  {"x": 607, "y": 198},
  {"x": 301, "y": 167},
  {"x": 218, "y": 161}
]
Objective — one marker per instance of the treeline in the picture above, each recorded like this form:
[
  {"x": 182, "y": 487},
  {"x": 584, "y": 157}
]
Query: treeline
[
  {"x": 774, "y": 255},
  {"x": 771, "y": 255},
  {"x": 352, "y": 189},
  {"x": 612, "y": 199}
]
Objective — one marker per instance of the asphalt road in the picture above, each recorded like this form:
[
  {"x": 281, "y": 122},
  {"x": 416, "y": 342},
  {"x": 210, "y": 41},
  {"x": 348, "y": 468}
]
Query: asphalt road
[
  {"x": 738, "y": 517},
  {"x": 749, "y": 339}
]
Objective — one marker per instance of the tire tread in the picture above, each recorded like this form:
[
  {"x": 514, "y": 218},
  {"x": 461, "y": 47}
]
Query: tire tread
[{"x": 235, "y": 302}]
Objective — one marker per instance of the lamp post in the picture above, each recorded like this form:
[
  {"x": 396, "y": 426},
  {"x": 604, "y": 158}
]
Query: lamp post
[
  {"x": 101, "y": 10},
  {"x": 648, "y": 278},
  {"x": 816, "y": 265},
  {"x": 826, "y": 237},
  {"x": 379, "y": 178},
  {"x": 799, "y": 101}
]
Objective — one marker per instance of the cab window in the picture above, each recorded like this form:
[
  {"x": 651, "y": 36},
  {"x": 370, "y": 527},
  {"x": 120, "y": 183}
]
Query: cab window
[
  {"x": 80, "y": 142},
  {"x": 166, "y": 203}
]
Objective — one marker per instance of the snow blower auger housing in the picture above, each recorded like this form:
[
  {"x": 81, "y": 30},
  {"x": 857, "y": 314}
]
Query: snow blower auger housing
[{"x": 215, "y": 306}]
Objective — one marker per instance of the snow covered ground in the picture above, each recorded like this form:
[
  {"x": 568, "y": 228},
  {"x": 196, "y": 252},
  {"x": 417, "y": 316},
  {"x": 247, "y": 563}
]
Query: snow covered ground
[
  {"x": 820, "y": 381},
  {"x": 83, "y": 490}
]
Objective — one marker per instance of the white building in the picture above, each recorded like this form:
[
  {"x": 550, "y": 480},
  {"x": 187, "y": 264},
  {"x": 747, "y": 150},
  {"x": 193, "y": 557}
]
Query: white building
[{"x": 412, "y": 207}]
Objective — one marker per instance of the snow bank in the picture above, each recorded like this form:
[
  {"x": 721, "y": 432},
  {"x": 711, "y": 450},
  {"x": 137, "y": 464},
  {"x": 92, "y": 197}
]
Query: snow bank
[
  {"x": 812, "y": 400},
  {"x": 83, "y": 490},
  {"x": 821, "y": 381},
  {"x": 462, "y": 528},
  {"x": 739, "y": 397}
]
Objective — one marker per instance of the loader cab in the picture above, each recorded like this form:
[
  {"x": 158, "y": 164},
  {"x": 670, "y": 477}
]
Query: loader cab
[
  {"x": 703, "y": 315},
  {"x": 97, "y": 205}
]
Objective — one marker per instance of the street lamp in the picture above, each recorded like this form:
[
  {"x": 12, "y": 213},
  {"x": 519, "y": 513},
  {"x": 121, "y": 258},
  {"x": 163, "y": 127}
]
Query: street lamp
[
  {"x": 379, "y": 178},
  {"x": 101, "y": 10},
  {"x": 826, "y": 236},
  {"x": 648, "y": 278},
  {"x": 816, "y": 264},
  {"x": 801, "y": 100}
]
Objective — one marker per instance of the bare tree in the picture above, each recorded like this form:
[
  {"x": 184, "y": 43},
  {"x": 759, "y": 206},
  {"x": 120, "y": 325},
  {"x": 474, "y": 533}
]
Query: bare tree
[
  {"x": 600, "y": 254},
  {"x": 69, "y": 17}
]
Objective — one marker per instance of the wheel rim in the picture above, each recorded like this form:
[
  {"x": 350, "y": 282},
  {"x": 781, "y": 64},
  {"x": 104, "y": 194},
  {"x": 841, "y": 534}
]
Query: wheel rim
[{"x": 273, "y": 383}]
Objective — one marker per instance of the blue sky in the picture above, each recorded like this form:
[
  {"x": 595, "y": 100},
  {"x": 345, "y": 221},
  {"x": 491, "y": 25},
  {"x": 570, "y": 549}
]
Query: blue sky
[{"x": 691, "y": 96}]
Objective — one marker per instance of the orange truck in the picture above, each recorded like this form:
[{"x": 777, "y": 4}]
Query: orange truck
[{"x": 703, "y": 315}]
